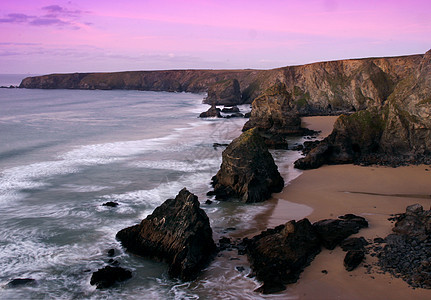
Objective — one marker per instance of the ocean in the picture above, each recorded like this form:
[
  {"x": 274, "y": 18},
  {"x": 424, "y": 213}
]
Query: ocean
[{"x": 64, "y": 153}]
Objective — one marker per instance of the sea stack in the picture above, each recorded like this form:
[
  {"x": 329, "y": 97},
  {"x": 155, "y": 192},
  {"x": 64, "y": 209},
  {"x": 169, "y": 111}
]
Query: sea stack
[
  {"x": 248, "y": 172},
  {"x": 177, "y": 232}
]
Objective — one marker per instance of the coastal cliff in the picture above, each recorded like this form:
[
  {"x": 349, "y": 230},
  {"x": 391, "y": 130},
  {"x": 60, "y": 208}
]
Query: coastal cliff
[
  {"x": 318, "y": 88},
  {"x": 396, "y": 132}
]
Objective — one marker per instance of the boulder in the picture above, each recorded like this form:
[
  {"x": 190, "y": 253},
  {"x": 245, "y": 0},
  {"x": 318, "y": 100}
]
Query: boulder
[
  {"x": 415, "y": 222},
  {"x": 278, "y": 255},
  {"x": 212, "y": 112},
  {"x": 177, "y": 232},
  {"x": 354, "y": 243},
  {"x": 108, "y": 276},
  {"x": 226, "y": 92},
  {"x": 333, "y": 231},
  {"x": 248, "y": 171},
  {"x": 353, "y": 258}
]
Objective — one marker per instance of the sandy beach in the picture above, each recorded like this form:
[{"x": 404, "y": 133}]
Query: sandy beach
[{"x": 372, "y": 192}]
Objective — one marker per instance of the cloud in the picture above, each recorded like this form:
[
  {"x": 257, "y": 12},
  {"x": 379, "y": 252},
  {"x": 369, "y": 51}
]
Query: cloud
[{"x": 52, "y": 15}]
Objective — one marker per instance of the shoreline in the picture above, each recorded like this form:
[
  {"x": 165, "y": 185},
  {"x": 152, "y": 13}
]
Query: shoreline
[{"x": 373, "y": 192}]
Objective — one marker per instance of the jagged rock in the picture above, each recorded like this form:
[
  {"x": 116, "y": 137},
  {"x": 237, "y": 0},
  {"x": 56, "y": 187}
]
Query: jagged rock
[
  {"x": 353, "y": 258},
  {"x": 232, "y": 109},
  {"x": 248, "y": 171},
  {"x": 226, "y": 92},
  {"x": 108, "y": 276},
  {"x": 278, "y": 255},
  {"x": 333, "y": 231},
  {"x": 177, "y": 232},
  {"x": 17, "y": 282},
  {"x": 212, "y": 112}
]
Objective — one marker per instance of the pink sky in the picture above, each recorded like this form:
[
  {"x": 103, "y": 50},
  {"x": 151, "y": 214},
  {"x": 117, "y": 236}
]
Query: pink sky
[{"x": 41, "y": 36}]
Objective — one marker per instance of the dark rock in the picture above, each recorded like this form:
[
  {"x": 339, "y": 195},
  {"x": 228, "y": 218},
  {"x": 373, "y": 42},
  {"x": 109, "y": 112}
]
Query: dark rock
[
  {"x": 247, "y": 115},
  {"x": 232, "y": 109},
  {"x": 108, "y": 276},
  {"x": 248, "y": 171},
  {"x": 212, "y": 112},
  {"x": 333, "y": 231},
  {"x": 225, "y": 92},
  {"x": 111, "y": 252},
  {"x": 353, "y": 244},
  {"x": 216, "y": 145},
  {"x": 224, "y": 243},
  {"x": 178, "y": 232},
  {"x": 235, "y": 115},
  {"x": 111, "y": 204},
  {"x": 278, "y": 255},
  {"x": 353, "y": 258},
  {"x": 17, "y": 282},
  {"x": 325, "y": 271},
  {"x": 240, "y": 269},
  {"x": 208, "y": 202}
]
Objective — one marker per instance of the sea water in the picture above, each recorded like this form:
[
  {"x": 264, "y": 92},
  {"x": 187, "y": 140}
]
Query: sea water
[{"x": 64, "y": 153}]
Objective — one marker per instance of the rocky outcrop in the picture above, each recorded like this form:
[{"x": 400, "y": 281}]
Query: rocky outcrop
[
  {"x": 108, "y": 276},
  {"x": 396, "y": 132},
  {"x": 226, "y": 92},
  {"x": 212, "y": 112},
  {"x": 248, "y": 172},
  {"x": 177, "y": 232},
  {"x": 278, "y": 255},
  {"x": 276, "y": 117},
  {"x": 407, "y": 253}
]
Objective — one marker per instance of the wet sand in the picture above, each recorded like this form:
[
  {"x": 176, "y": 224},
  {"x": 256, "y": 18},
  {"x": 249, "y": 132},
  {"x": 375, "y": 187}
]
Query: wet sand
[{"x": 372, "y": 192}]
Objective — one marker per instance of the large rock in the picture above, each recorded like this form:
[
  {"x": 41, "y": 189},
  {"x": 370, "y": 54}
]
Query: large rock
[
  {"x": 278, "y": 255},
  {"x": 108, "y": 276},
  {"x": 212, "y": 112},
  {"x": 333, "y": 231},
  {"x": 226, "y": 92},
  {"x": 177, "y": 232},
  {"x": 248, "y": 171},
  {"x": 396, "y": 131}
]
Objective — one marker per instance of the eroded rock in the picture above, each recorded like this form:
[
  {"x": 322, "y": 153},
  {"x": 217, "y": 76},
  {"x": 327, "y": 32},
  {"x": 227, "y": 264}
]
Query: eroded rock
[
  {"x": 248, "y": 171},
  {"x": 177, "y": 232}
]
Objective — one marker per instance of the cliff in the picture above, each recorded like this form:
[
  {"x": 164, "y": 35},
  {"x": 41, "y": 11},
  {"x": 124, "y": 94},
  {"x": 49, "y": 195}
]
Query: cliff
[
  {"x": 398, "y": 131},
  {"x": 318, "y": 88}
]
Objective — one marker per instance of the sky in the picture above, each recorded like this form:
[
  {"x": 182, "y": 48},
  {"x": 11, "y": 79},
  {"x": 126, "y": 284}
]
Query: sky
[{"x": 41, "y": 37}]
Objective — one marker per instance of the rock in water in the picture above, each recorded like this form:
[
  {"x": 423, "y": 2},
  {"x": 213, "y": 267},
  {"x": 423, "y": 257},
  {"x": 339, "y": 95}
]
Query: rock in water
[
  {"x": 248, "y": 171},
  {"x": 108, "y": 276},
  {"x": 18, "y": 282},
  {"x": 225, "y": 92},
  {"x": 279, "y": 255},
  {"x": 212, "y": 112},
  {"x": 177, "y": 232}
]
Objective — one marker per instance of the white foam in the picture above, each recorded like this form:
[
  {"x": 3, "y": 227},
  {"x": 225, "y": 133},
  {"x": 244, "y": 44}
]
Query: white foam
[{"x": 183, "y": 166}]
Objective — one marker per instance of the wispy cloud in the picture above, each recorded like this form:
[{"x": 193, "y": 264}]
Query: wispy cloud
[{"x": 52, "y": 15}]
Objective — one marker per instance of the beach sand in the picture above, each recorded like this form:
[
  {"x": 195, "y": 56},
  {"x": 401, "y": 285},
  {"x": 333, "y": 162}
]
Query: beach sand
[{"x": 371, "y": 192}]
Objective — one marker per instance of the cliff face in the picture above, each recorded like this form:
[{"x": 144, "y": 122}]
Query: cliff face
[
  {"x": 319, "y": 88},
  {"x": 396, "y": 132}
]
